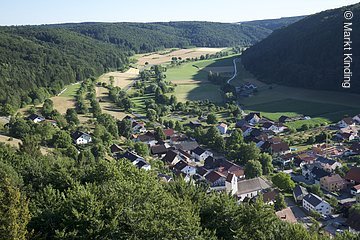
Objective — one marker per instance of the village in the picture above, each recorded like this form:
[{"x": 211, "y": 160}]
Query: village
[{"x": 321, "y": 182}]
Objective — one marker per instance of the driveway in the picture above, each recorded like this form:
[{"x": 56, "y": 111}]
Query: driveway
[
  {"x": 329, "y": 225},
  {"x": 300, "y": 178},
  {"x": 299, "y": 213}
]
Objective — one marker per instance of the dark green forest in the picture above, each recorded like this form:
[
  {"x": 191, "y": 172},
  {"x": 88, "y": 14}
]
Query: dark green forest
[
  {"x": 148, "y": 37},
  {"x": 274, "y": 24},
  {"x": 36, "y": 62},
  {"x": 308, "y": 53},
  {"x": 62, "y": 197}
]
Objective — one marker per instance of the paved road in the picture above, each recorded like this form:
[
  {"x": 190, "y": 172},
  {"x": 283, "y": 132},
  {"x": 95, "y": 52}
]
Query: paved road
[{"x": 235, "y": 72}]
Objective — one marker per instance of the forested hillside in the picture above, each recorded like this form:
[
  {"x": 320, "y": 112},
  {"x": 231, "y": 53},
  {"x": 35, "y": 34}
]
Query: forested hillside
[
  {"x": 37, "y": 61},
  {"x": 147, "y": 37},
  {"x": 308, "y": 53},
  {"x": 274, "y": 24}
]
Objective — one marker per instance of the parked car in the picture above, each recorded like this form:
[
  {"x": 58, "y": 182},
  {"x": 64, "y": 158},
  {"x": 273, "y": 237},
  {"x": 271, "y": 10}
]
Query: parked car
[{"x": 336, "y": 224}]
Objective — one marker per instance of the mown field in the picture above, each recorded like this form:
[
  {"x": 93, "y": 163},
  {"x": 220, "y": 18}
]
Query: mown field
[
  {"x": 165, "y": 56},
  {"x": 191, "y": 79}
]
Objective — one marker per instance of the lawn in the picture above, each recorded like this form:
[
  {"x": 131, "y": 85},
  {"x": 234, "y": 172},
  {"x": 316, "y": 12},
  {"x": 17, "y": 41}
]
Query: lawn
[
  {"x": 139, "y": 103},
  {"x": 195, "y": 92},
  {"x": 191, "y": 80},
  {"x": 71, "y": 90},
  {"x": 292, "y": 107}
]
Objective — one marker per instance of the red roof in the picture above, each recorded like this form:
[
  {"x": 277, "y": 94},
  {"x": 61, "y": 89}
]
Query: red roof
[
  {"x": 169, "y": 132},
  {"x": 353, "y": 174}
]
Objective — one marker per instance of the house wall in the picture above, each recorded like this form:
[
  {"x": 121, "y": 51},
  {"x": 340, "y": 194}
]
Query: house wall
[
  {"x": 203, "y": 156},
  {"x": 299, "y": 198},
  {"x": 354, "y": 192},
  {"x": 331, "y": 187},
  {"x": 219, "y": 182},
  {"x": 189, "y": 170},
  {"x": 83, "y": 140},
  {"x": 323, "y": 208},
  {"x": 249, "y": 195}
]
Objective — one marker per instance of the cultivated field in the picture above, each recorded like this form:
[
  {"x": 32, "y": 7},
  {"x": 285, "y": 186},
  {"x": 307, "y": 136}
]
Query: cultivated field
[
  {"x": 63, "y": 103},
  {"x": 14, "y": 142},
  {"x": 121, "y": 79},
  {"x": 107, "y": 106},
  {"x": 159, "y": 58},
  {"x": 198, "y": 91}
]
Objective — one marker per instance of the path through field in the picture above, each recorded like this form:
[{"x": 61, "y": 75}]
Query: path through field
[
  {"x": 157, "y": 58},
  {"x": 235, "y": 71}
]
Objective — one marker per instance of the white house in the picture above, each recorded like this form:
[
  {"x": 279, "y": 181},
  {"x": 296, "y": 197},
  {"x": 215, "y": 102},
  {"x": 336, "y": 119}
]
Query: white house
[
  {"x": 231, "y": 184},
  {"x": 143, "y": 165},
  {"x": 346, "y": 122},
  {"x": 135, "y": 159},
  {"x": 355, "y": 190},
  {"x": 171, "y": 158},
  {"x": 357, "y": 119},
  {"x": 285, "y": 159},
  {"x": 138, "y": 127},
  {"x": 246, "y": 129},
  {"x": 250, "y": 188},
  {"x": 36, "y": 118},
  {"x": 185, "y": 168},
  {"x": 312, "y": 202},
  {"x": 253, "y": 118},
  {"x": 201, "y": 154},
  {"x": 222, "y": 128},
  {"x": 80, "y": 138},
  {"x": 327, "y": 164},
  {"x": 275, "y": 127}
]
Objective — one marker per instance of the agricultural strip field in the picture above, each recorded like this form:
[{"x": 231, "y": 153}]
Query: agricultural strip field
[
  {"x": 120, "y": 79},
  {"x": 66, "y": 99},
  {"x": 139, "y": 103},
  {"x": 159, "y": 58},
  {"x": 106, "y": 105}
]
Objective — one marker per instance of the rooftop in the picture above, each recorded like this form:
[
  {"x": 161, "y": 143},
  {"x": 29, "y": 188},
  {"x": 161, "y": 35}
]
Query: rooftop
[
  {"x": 251, "y": 185},
  {"x": 313, "y": 199}
]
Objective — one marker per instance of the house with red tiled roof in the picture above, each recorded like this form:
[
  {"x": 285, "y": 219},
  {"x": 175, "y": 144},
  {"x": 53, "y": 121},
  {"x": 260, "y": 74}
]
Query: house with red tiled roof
[
  {"x": 169, "y": 133},
  {"x": 355, "y": 190},
  {"x": 353, "y": 175},
  {"x": 286, "y": 215},
  {"x": 216, "y": 180},
  {"x": 346, "y": 122},
  {"x": 354, "y": 149}
]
